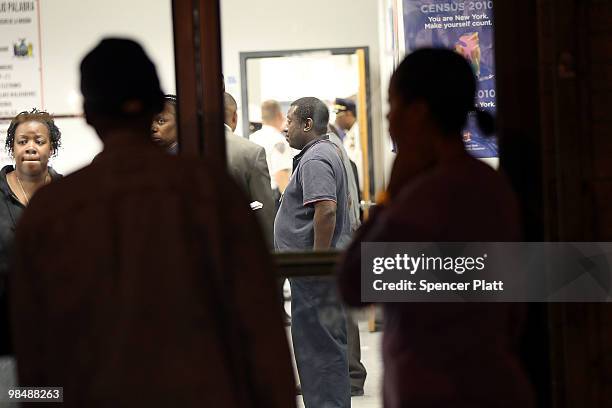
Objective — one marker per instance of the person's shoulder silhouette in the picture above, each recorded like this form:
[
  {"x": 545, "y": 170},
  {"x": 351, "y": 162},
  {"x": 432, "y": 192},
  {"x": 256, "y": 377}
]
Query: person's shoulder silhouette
[
  {"x": 439, "y": 193},
  {"x": 139, "y": 277}
]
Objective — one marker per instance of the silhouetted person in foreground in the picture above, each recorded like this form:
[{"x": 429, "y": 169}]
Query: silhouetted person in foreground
[
  {"x": 436, "y": 354},
  {"x": 143, "y": 279}
]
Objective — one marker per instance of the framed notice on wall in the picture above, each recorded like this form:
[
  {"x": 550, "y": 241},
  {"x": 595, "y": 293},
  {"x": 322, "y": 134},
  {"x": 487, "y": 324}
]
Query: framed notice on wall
[
  {"x": 20, "y": 66},
  {"x": 465, "y": 26},
  {"x": 20, "y": 62}
]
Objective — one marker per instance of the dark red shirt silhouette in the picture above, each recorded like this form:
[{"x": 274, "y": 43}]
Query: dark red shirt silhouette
[
  {"x": 447, "y": 354},
  {"x": 143, "y": 280}
]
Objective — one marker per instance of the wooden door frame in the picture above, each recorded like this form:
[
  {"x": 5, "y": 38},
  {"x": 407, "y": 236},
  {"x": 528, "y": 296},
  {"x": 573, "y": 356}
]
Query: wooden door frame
[
  {"x": 368, "y": 148},
  {"x": 536, "y": 123},
  {"x": 199, "y": 85}
]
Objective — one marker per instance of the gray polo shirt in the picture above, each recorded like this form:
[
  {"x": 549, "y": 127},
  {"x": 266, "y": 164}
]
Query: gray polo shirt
[{"x": 318, "y": 174}]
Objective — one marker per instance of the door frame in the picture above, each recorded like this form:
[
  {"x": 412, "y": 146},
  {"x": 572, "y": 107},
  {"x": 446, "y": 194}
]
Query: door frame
[
  {"x": 523, "y": 123},
  {"x": 245, "y": 56},
  {"x": 199, "y": 84}
]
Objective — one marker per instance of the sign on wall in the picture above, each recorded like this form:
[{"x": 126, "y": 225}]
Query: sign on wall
[
  {"x": 467, "y": 28},
  {"x": 20, "y": 68}
]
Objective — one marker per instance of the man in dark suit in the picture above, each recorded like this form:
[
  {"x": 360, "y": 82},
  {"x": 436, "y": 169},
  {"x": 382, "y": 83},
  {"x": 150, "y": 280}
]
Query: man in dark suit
[{"x": 247, "y": 164}]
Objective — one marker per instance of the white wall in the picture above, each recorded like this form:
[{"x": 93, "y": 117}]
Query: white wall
[
  {"x": 69, "y": 29},
  {"x": 272, "y": 25},
  {"x": 286, "y": 79}
]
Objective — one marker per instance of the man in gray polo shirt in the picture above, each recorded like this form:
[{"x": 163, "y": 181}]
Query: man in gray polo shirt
[{"x": 314, "y": 215}]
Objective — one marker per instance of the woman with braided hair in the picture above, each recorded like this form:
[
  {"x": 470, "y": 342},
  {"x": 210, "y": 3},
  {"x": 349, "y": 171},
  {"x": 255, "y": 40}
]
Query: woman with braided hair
[{"x": 32, "y": 138}]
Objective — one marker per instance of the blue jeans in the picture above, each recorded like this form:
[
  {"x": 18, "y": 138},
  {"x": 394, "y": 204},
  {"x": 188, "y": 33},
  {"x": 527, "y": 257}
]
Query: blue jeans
[{"x": 318, "y": 331}]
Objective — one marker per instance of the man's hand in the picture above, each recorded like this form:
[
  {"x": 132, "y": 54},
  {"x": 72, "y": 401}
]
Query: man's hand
[{"x": 324, "y": 224}]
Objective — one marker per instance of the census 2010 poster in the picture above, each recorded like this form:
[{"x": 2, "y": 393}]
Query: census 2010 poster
[{"x": 467, "y": 28}]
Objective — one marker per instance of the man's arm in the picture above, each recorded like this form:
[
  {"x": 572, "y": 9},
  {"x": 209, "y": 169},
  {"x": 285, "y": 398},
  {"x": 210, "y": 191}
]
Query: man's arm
[
  {"x": 324, "y": 224},
  {"x": 319, "y": 190}
]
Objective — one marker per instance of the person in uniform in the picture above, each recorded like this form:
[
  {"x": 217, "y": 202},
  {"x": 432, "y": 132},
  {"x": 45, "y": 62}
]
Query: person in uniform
[
  {"x": 346, "y": 121},
  {"x": 357, "y": 370},
  {"x": 278, "y": 153},
  {"x": 280, "y": 160}
]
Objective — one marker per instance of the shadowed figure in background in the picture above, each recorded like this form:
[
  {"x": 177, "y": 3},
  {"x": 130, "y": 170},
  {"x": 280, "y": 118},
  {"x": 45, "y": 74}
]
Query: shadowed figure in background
[
  {"x": 164, "y": 130},
  {"x": 246, "y": 162},
  {"x": 357, "y": 370},
  {"x": 148, "y": 282},
  {"x": 347, "y": 127},
  {"x": 437, "y": 354}
]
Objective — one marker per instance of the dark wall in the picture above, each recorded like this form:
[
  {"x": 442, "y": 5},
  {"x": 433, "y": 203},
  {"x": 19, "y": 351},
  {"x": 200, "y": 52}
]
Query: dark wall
[{"x": 555, "y": 58}]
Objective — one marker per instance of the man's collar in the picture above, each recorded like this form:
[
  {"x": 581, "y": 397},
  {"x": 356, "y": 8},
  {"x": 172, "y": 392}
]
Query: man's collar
[{"x": 309, "y": 145}]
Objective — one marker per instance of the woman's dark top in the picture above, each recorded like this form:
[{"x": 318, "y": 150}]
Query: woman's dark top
[{"x": 10, "y": 211}]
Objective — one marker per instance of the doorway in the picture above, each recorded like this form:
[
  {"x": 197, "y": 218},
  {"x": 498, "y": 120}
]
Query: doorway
[{"x": 327, "y": 74}]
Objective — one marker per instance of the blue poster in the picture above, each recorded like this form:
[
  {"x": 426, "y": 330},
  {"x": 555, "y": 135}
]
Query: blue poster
[{"x": 467, "y": 28}]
